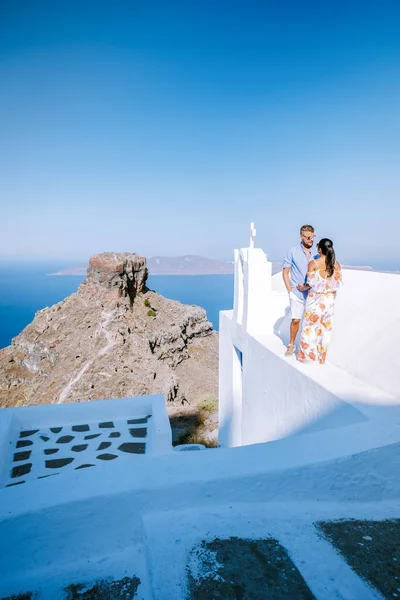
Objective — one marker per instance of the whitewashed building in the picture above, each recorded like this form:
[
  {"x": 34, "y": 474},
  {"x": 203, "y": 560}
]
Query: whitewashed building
[{"x": 264, "y": 396}]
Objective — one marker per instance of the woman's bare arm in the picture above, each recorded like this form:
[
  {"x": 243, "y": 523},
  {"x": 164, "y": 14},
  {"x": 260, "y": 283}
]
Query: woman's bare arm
[{"x": 312, "y": 266}]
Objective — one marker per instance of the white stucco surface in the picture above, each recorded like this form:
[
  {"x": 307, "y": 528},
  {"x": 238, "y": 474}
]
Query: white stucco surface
[{"x": 143, "y": 515}]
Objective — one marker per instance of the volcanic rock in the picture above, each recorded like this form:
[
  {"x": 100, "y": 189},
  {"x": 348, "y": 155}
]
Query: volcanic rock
[{"x": 112, "y": 338}]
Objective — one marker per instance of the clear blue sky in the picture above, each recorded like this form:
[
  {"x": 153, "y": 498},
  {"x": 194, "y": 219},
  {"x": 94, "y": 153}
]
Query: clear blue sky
[{"x": 165, "y": 127}]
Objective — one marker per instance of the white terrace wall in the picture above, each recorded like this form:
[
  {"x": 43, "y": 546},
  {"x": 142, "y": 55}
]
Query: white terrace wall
[
  {"x": 265, "y": 397},
  {"x": 39, "y": 419},
  {"x": 366, "y": 327}
]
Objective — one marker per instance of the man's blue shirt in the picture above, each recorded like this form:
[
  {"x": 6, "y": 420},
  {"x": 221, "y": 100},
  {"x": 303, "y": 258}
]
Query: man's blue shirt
[{"x": 297, "y": 261}]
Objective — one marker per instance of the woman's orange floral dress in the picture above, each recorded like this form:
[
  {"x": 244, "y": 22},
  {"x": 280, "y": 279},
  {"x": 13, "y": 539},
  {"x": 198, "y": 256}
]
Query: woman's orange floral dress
[{"x": 318, "y": 317}]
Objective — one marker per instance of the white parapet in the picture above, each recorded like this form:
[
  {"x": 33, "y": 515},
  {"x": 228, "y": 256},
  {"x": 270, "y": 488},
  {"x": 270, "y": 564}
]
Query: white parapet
[
  {"x": 257, "y": 303},
  {"x": 253, "y": 290},
  {"x": 252, "y": 316},
  {"x": 39, "y": 441}
]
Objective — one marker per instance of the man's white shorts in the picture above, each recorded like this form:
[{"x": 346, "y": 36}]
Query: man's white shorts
[{"x": 297, "y": 306}]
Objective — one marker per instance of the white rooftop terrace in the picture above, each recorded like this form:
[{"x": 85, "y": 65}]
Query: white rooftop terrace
[{"x": 264, "y": 396}]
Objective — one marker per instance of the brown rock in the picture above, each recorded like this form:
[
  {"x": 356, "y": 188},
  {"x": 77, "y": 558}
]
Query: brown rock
[
  {"x": 101, "y": 343},
  {"x": 124, "y": 273}
]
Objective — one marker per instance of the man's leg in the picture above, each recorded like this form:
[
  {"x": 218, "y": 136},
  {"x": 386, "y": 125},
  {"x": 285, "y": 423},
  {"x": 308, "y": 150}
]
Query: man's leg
[
  {"x": 296, "y": 309},
  {"x": 294, "y": 330}
]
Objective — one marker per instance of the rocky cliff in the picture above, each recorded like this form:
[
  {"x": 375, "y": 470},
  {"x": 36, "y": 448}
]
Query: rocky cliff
[{"x": 113, "y": 338}]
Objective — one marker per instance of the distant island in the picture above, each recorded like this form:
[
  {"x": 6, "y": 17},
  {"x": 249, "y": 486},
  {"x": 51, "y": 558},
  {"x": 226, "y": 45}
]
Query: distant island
[
  {"x": 80, "y": 269},
  {"x": 170, "y": 265},
  {"x": 188, "y": 265}
]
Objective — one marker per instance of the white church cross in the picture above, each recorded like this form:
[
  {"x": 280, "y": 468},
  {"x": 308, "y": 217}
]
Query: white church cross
[{"x": 253, "y": 234}]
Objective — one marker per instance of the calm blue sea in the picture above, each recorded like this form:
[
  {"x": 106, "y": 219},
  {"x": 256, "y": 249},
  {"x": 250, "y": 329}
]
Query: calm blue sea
[{"x": 26, "y": 288}]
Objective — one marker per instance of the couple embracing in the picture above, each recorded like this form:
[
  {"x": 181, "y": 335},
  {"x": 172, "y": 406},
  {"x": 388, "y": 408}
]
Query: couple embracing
[{"x": 312, "y": 282}]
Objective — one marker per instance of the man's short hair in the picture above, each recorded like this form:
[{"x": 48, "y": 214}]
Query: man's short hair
[{"x": 306, "y": 228}]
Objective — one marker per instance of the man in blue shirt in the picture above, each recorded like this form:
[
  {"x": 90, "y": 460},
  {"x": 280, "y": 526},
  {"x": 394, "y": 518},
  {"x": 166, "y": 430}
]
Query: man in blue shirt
[{"x": 295, "y": 266}]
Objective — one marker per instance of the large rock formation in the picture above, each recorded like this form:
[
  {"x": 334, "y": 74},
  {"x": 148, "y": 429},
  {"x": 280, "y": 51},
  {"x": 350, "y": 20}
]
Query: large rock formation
[
  {"x": 113, "y": 338},
  {"x": 123, "y": 274}
]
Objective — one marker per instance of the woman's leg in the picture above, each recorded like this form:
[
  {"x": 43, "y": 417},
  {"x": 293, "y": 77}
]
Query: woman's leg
[{"x": 326, "y": 326}]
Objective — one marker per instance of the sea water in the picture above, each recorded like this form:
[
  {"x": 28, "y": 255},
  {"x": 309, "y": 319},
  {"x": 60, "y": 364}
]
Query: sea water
[{"x": 27, "y": 288}]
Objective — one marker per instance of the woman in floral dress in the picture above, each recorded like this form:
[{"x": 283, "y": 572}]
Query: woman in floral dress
[{"x": 323, "y": 279}]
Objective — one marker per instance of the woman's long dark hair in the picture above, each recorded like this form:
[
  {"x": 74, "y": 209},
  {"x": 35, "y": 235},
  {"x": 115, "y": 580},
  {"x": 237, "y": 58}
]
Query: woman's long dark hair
[{"x": 326, "y": 248}]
